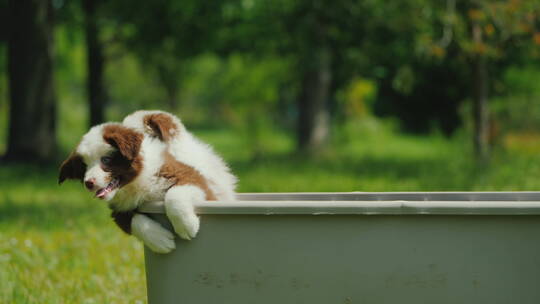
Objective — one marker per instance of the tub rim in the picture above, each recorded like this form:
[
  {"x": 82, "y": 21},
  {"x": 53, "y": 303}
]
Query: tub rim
[{"x": 370, "y": 203}]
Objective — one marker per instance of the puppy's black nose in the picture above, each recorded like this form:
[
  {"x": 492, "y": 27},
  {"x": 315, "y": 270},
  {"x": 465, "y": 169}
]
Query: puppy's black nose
[{"x": 89, "y": 184}]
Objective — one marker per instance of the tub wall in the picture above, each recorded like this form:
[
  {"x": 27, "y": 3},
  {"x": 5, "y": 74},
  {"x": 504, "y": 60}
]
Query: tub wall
[{"x": 352, "y": 259}]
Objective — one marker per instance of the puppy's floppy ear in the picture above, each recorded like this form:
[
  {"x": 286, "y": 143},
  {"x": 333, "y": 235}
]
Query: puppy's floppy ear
[
  {"x": 160, "y": 125},
  {"x": 127, "y": 141},
  {"x": 72, "y": 168}
]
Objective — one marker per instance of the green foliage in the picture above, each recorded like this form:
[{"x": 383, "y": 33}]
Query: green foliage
[
  {"x": 518, "y": 110},
  {"x": 245, "y": 94},
  {"x": 356, "y": 99},
  {"x": 125, "y": 76},
  {"x": 479, "y": 28}
]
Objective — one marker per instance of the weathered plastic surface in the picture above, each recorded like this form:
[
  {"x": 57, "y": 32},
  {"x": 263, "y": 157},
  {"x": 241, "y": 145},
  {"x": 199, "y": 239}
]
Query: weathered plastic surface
[{"x": 490, "y": 255}]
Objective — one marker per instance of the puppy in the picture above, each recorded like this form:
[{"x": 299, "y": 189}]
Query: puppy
[{"x": 150, "y": 156}]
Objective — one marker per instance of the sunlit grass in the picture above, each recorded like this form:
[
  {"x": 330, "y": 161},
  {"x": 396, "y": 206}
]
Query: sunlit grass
[
  {"x": 58, "y": 245},
  {"x": 92, "y": 264}
]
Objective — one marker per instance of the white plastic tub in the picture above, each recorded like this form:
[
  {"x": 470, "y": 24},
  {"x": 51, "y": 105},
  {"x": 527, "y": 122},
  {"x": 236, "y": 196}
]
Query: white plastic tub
[{"x": 330, "y": 248}]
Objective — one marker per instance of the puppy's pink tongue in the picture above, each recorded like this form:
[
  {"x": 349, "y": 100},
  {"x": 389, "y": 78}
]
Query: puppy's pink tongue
[{"x": 102, "y": 192}]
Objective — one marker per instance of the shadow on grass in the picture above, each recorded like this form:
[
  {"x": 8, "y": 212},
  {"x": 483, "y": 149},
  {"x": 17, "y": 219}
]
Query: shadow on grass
[
  {"x": 42, "y": 217},
  {"x": 30, "y": 198}
]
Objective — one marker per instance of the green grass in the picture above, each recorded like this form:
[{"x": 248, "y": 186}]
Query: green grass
[{"x": 57, "y": 245}]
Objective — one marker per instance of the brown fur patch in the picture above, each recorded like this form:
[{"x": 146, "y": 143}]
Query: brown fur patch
[
  {"x": 162, "y": 125},
  {"x": 127, "y": 163},
  {"x": 72, "y": 168},
  {"x": 181, "y": 174},
  {"x": 123, "y": 220},
  {"x": 126, "y": 140}
]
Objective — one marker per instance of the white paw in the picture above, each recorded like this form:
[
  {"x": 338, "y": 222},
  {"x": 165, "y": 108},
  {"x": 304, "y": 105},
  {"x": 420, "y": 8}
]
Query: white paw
[
  {"x": 179, "y": 208},
  {"x": 152, "y": 234},
  {"x": 186, "y": 226},
  {"x": 160, "y": 242}
]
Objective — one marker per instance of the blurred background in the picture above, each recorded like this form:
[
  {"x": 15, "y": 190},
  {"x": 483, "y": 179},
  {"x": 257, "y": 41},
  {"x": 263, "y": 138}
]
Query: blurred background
[{"x": 296, "y": 95}]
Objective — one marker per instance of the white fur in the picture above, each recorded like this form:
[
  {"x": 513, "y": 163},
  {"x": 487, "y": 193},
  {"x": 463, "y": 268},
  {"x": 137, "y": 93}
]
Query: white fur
[
  {"x": 148, "y": 186},
  {"x": 92, "y": 148},
  {"x": 152, "y": 234},
  {"x": 135, "y": 121},
  {"x": 186, "y": 148},
  {"x": 179, "y": 209}
]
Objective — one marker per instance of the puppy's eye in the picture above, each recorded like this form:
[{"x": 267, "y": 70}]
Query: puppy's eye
[{"x": 106, "y": 160}]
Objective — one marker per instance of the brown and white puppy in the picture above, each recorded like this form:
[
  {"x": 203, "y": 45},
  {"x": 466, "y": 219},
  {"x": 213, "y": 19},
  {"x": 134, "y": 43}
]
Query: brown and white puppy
[{"x": 150, "y": 157}]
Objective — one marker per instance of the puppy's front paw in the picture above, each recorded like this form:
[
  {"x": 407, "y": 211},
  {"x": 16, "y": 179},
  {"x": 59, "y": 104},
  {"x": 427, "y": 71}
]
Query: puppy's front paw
[
  {"x": 161, "y": 242},
  {"x": 152, "y": 234},
  {"x": 186, "y": 226},
  {"x": 179, "y": 208}
]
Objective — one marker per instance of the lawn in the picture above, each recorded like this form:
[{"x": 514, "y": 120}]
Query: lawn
[{"x": 58, "y": 245}]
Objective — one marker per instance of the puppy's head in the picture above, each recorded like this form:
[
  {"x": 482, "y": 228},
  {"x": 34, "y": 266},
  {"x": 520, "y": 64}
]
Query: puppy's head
[{"x": 106, "y": 159}]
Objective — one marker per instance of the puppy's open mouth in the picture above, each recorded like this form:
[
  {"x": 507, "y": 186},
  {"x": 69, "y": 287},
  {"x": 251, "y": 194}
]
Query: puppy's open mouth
[{"x": 101, "y": 193}]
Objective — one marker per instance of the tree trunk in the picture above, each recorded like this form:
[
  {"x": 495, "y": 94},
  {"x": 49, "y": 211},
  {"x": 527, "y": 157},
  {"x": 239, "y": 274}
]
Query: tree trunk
[
  {"x": 169, "y": 79},
  {"x": 96, "y": 91},
  {"x": 172, "y": 98},
  {"x": 480, "y": 100},
  {"x": 32, "y": 125},
  {"x": 313, "y": 113}
]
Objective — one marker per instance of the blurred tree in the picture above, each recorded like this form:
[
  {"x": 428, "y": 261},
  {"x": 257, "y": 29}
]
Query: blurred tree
[
  {"x": 96, "y": 90},
  {"x": 317, "y": 34},
  {"x": 486, "y": 33},
  {"x": 169, "y": 72},
  {"x": 185, "y": 29},
  {"x": 423, "y": 93},
  {"x": 313, "y": 35},
  {"x": 4, "y": 33},
  {"x": 516, "y": 110},
  {"x": 32, "y": 123},
  {"x": 84, "y": 21},
  {"x": 313, "y": 101}
]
